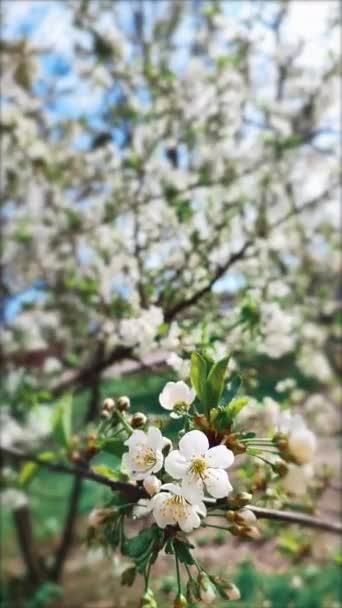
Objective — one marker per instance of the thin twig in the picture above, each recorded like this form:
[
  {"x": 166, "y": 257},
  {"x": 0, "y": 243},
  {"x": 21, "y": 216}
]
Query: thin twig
[{"x": 135, "y": 492}]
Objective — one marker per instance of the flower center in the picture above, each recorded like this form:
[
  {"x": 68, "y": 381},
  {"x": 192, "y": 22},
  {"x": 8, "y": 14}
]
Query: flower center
[
  {"x": 198, "y": 466},
  {"x": 180, "y": 407},
  {"x": 144, "y": 458}
]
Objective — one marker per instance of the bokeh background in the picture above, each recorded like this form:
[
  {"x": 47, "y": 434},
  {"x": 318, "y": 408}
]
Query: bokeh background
[{"x": 170, "y": 176}]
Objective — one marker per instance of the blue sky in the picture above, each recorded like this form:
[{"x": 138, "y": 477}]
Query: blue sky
[{"x": 49, "y": 23}]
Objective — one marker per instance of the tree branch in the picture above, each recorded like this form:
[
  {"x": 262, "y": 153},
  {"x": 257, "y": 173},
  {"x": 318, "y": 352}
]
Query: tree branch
[
  {"x": 220, "y": 271},
  {"x": 86, "y": 375},
  {"x": 135, "y": 492},
  {"x": 296, "y": 518}
]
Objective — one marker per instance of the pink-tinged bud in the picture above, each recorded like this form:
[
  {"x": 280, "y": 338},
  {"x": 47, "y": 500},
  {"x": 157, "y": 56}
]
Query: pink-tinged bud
[
  {"x": 232, "y": 592},
  {"x": 123, "y": 404},
  {"x": 139, "y": 419},
  {"x": 245, "y": 517},
  {"x": 152, "y": 485},
  {"x": 105, "y": 414},
  {"x": 108, "y": 405}
]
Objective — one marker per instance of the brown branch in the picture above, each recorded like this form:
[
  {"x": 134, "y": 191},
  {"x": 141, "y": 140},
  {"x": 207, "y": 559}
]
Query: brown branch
[
  {"x": 75, "y": 496},
  {"x": 87, "y": 375},
  {"x": 296, "y": 518},
  {"x": 23, "y": 526},
  {"x": 133, "y": 493},
  {"x": 220, "y": 271}
]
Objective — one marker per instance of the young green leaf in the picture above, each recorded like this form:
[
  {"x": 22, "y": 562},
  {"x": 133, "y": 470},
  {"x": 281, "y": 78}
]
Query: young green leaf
[
  {"x": 215, "y": 382},
  {"x": 62, "y": 422},
  {"x": 112, "y": 446},
  {"x": 198, "y": 375}
]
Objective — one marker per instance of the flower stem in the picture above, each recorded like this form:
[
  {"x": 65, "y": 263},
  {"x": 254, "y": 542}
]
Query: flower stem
[
  {"x": 214, "y": 526},
  {"x": 124, "y": 423},
  {"x": 179, "y": 582}
]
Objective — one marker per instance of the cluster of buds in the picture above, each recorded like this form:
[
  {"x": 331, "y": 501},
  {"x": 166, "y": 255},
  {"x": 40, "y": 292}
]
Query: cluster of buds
[
  {"x": 122, "y": 404},
  {"x": 244, "y": 523},
  {"x": 81, "y": 454},
  {"x": 207, "y": 589},
  {"x": 108, "y": 407}
]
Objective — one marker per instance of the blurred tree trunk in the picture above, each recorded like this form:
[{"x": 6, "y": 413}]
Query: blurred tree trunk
[
  {"x": 75, "y": 495},
  {"x": 33, "y": 563}
]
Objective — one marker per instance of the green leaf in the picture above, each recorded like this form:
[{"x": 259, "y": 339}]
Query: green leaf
[
  {"x": 215, "y": 382},
  {"x": 138, "y": 545},
  {"x": 102, "y": 469},
  {"x": 198, "y": 376},
  {"x": 128, "y": 576},
  {"x": 183, "y": 552},
  {"x": 231, "y": 389},
  {"x": 237, "y": 405},
  {"x": 27, "y": 472},
  {"x": 112, "y": 446},
  {"x": 62, "y": 424},
  {"x": 30, "y": 469}
]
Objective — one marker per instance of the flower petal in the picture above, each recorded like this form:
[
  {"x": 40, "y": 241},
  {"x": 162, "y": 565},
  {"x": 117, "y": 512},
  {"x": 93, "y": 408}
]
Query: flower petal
[
  {"x": 190, "y": 521},
  {"x": 219, "y": 456},
  {"x": 176, "y": 465},
  {"x": 201, "y": 509},
  {"x": 192, "y": 489},
  {"x": 155, "y": 438},
  {"x": 163, "y": 514},
  {"x": 217, "y": 483},
  {"x": 194, "y": 443},
  {"x": 159, "y": 462},
  {"x": 172, "y": 487},
  {"x": 137, "y": 437}
]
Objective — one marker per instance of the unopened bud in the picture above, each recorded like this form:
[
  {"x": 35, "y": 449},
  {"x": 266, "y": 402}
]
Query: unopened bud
[
  {"x": 98, "y": 516},
  {"x": 232, "y": 592},
  {"x": 251, "y": 532},
  {"x": 180, "y": 602},
  {"x": 281, "y": 468},
  {"x": 245, "y": 517},
  {"x": 236, "y": 530},
  {"x": 230, "y": 515},
  {"x": 138, "y": 419},
  {"x": 148, "y": 600},
  {"x": 108, "y": 405},
  {"x": 207, "y": 590},
  {"x": 105, "y": 414},
  {"x": 123, "y": 404},
  {"x": 152, "y": 484},
  {"x": 76, "y": 457},
  {"x": 239, "y": 448},
  {"x": 242, "y": 499}
]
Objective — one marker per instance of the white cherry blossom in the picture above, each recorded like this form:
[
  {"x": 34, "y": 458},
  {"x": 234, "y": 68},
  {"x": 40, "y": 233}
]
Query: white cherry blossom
[
  {"x": 297, "y": 479},
  {"x": 200, "y": 467},
  {"x": 173, "y": 506},
  {"x": 177, "y": 397},
  {"x": 144, "y": 455},
  {"x": 301, "y": 441}
]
